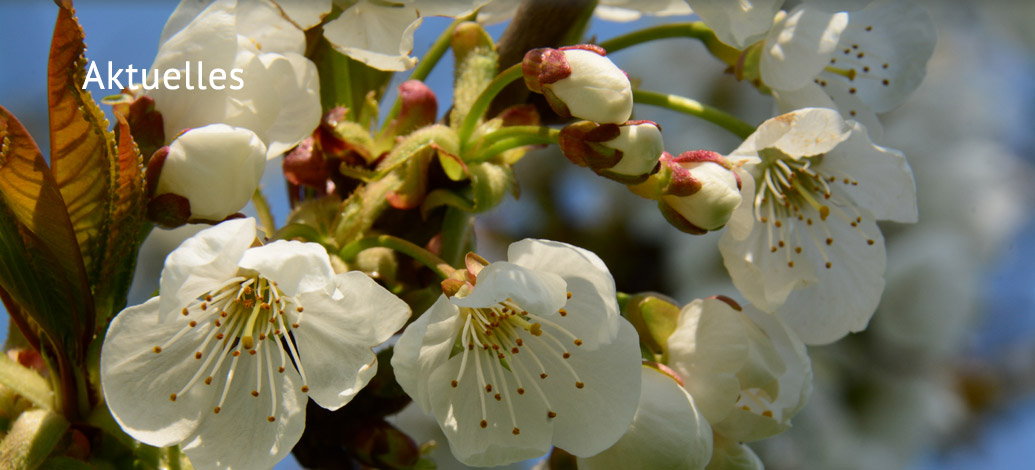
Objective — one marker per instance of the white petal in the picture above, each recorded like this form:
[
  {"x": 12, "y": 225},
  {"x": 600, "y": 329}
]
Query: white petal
[
  {"x": 377, "y": 35},
  {"x": 791, "y": 393},
  {"x": 667, "y": 432},
  {"x": 708, "y": 348},
  {"x": 641, "y": 146},
  {"x": 815, "y": 96},
  {"x": 731, "y": 455},
  {"x": 216, "y": 167},
  {"x": 450, "y": 8},
  {"x": 540, "y": 293},
  {"x": 240, "y": 436},
  {"x": 335, "y": 335},
  {"x": 188, "y": 12},
  {"x": 137, "y": 382},
  {"x": 632, "y": 10},
  {"x": 295, "y": 266},
  {"x": 597, "y": 90},
  {"x": 497, "y": 11},
  {"x": 298, "y": 85},
  {"x": 305, "y": 13},
  {"x": 799, "y": 46},
  {"x": 459, "y": 414},
  {"x": 593, "y": 295},
  {"x": 899, "y": 34},
  {"x": 423, "y": 347},
  {"x": 764, "y": 277},
  {"x": 801, "y": 133},
  {"x": 845, "y": 296},
  {"x": 204, "y": 262},
  {"x": 591, "y": 419},
  {"x": 743, "y": 218},
  {"x": 738, "y": 23},
  {"x": 261, "y": 22},
  {"x": 886, "y": 187},
  {"x": 423, "y": 428}
]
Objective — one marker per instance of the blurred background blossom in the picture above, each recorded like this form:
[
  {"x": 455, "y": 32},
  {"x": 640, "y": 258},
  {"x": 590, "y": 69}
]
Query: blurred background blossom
[{"x": 944, "y": 378}]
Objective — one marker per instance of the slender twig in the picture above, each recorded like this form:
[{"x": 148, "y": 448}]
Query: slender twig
[
  {"x": 695, "y": 108},
  {"x": 481, "y": 104}
]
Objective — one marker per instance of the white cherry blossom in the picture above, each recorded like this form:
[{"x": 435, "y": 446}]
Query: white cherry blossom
[
  {"x": 804, "y": 242},
  {"x": 377, "y": 33},
  {"x": 222, "y": 361},
  {"x": 748, "y": 373},
  {"x": 275, "y": 93},
  {"x": 527, "y": 354},
  {"x": 862, "y": 62}
]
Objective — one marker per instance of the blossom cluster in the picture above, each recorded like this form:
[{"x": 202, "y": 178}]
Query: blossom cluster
[{"x": 510, "y": 359}]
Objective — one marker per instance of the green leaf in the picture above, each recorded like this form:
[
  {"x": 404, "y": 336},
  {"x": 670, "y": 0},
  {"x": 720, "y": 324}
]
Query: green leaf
[
  {"x": 127, "y": 230},
  {"x": 83, "y": 157},
  {"x": 33, "y": 435},
  {"x": 26, "y": 382},
  {"x": 476, "y": 64},
  {"x": 42, "y": 268}
]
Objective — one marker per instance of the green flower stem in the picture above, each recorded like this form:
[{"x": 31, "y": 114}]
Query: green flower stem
[
  {"x": 410, "y": 249},
  {"x": 694, "y": 30},
  {"x": 262, "y": 208},
  {"x": 428, "y": 62},
  {"x": 695, "y": 108},
  {"x": 512, "y": 137},
  {"x": 457, "y": 235},
  {"x": 481, "y": 104}
]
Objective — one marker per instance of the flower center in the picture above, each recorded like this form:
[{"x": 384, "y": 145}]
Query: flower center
[
  {"x": 802, "y": 193},
  {"x": 245, "y": 317},
  {"x": 503, "y": 340}
]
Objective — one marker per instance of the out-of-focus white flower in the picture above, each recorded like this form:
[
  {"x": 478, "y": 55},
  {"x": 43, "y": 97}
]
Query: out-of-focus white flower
[
  {"x": 625, "y": 152},
  {"x": 523, "y": 355},
  {"x": 805, "y": 243},
  {"x": 748, "y": 373},
  {"x": 580, "y": 81},
  {"x": 275, "y": 92},
  {"x": 498, "y": 11},
  {"x": 737, "y": 23},
  {"x": 376, "y": 33},
  {"x": 216, "y": 168},
  {"x": 667, "y": 432},
  {"x": 862, "y": 62},
  {"x": 222, "y": 361}
]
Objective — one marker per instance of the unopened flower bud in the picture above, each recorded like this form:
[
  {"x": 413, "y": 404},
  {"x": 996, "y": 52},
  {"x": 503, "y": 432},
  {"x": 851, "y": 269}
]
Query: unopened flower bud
[
  {"x": 696, "y": 191},
  {"x": 626, "y": 153},
  {"x": 216, "y": 168},
  {"x": 419, "y": 106},
  {"x": 580, "y": 81}
]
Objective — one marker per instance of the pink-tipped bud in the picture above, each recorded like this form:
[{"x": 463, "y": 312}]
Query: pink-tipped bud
[
  {"x": 700, "y": 191},
  {"x": 627, "y": 153},
  {"x": 419, "y": 106},
  {"x": 580, "y": 81}
]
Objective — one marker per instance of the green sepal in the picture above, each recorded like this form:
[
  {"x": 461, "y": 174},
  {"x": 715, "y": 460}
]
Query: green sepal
[
  {"x": 476, "y": 64},
  {"x": 31, "y": 438},
  {"x": 655, "y": 318},
  {"x": 26, "y": 382}
]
